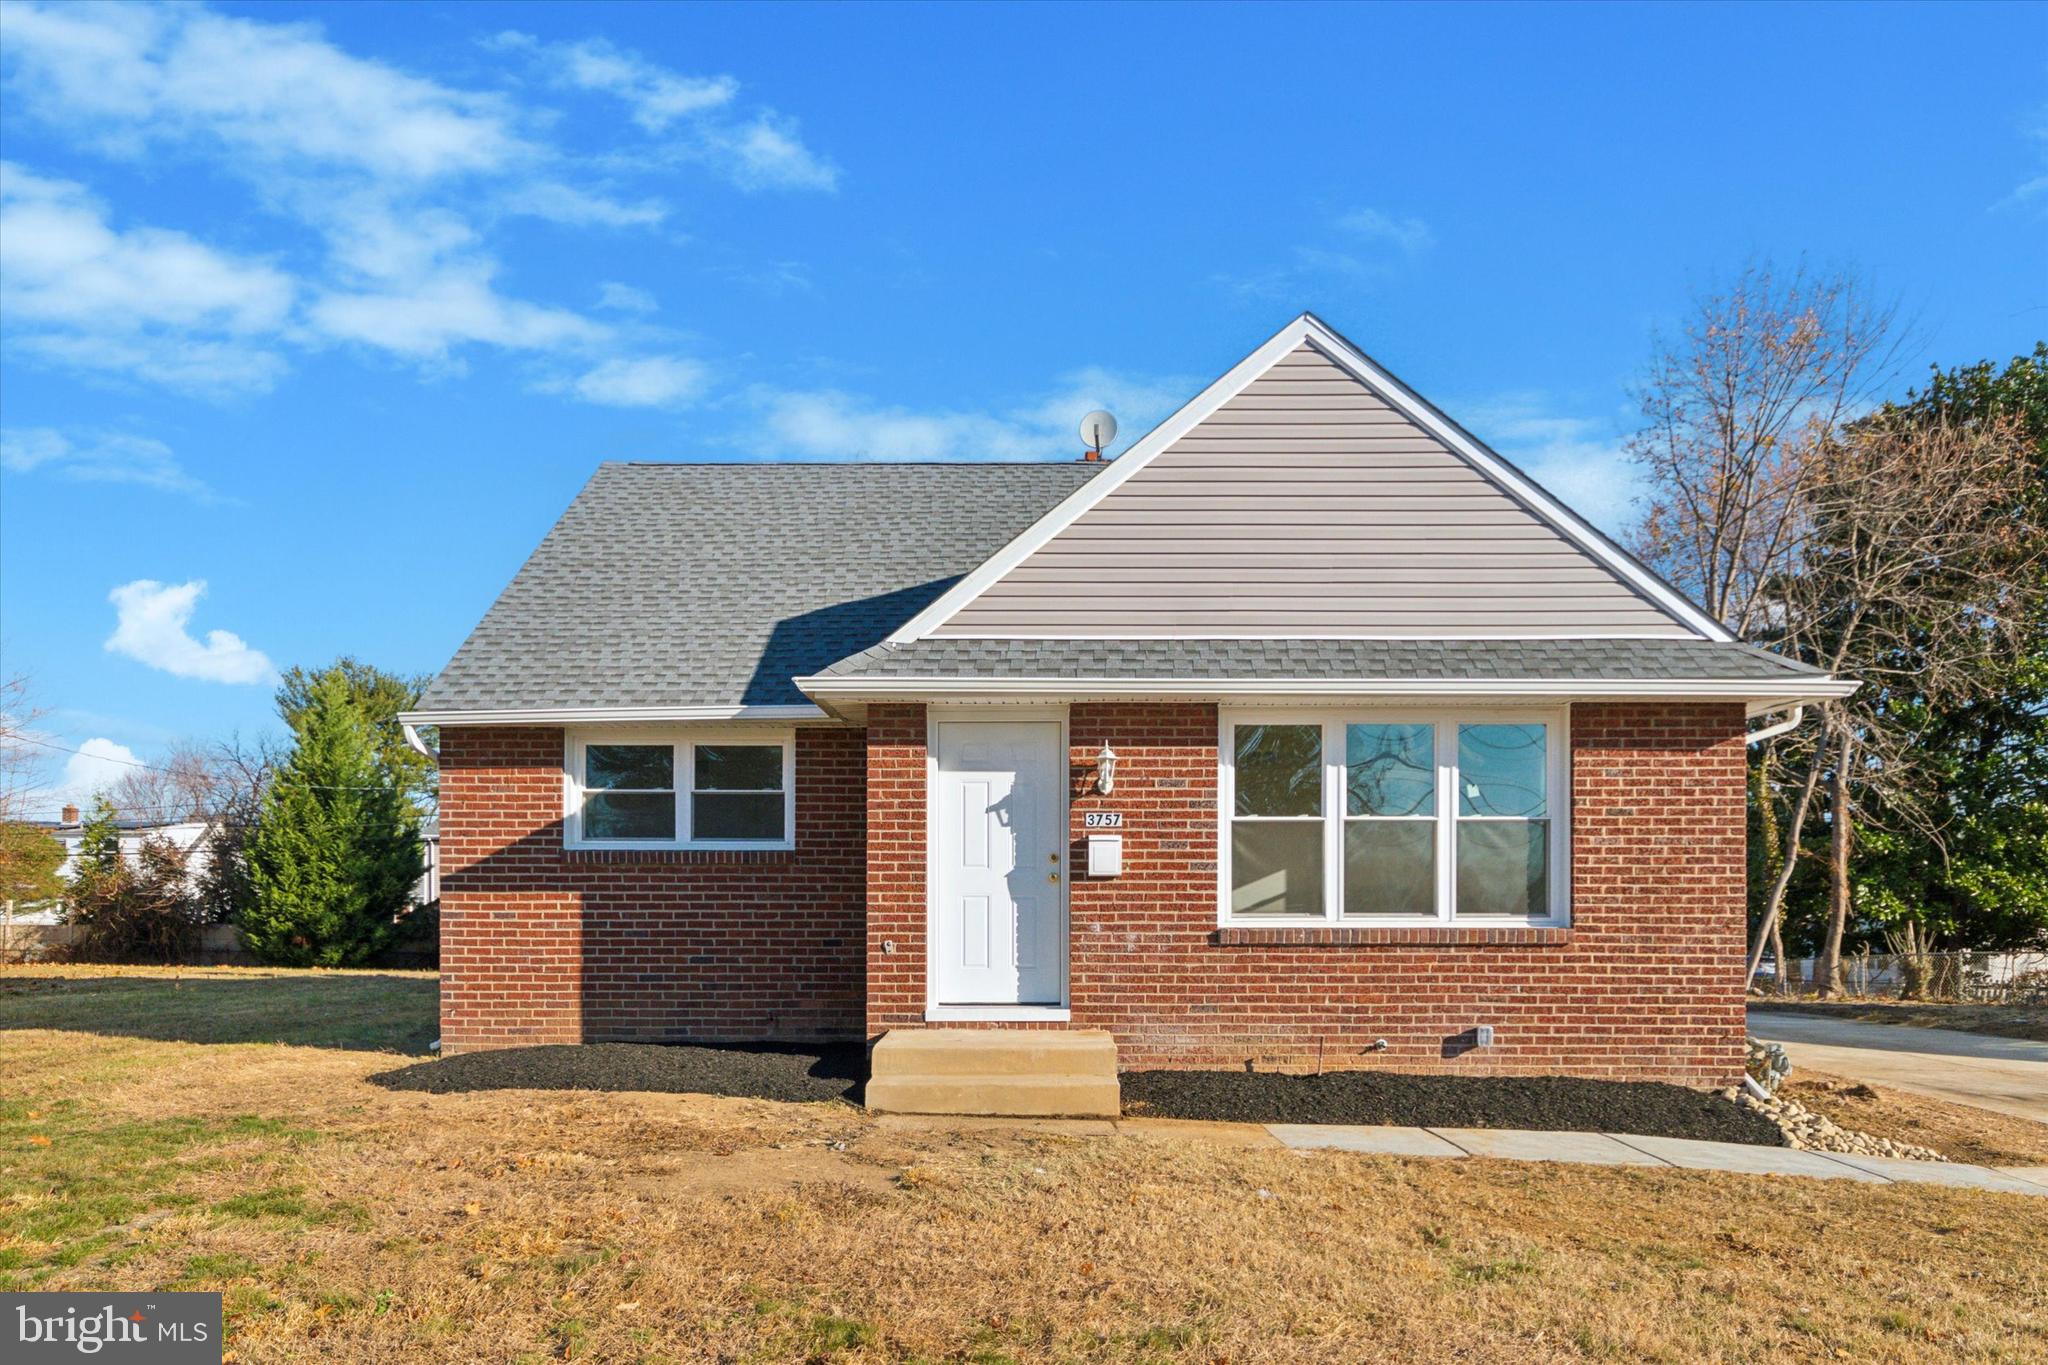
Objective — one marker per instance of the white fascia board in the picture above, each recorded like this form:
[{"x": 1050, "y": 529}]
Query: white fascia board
[
  {"x": 1362, "y": 367},
  {"x": 1774, "y": 691},
  {"x": 597, "y": 715}
]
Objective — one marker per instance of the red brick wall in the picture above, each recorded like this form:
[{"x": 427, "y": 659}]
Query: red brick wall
[
  {"x": 897, "y": 784},
  {"x": 1646, "y": 983},
  {"x": 545, "y": 945}
]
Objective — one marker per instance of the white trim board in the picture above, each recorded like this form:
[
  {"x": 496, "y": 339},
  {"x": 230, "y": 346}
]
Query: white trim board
[{"x": 1398, "y": 395}]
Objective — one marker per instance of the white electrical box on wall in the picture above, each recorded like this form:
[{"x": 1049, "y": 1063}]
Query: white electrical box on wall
[{"x": 1105, "y": 855}]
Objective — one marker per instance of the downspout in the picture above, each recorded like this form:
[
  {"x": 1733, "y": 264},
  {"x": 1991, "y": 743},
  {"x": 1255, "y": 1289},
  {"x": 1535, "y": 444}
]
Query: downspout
[
  {"x": 420, "y": 746},
  {"x": 1754, "y": 736}
]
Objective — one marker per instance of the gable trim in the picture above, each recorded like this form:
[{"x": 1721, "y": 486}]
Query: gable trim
[{"x": 1399, "y": 396}]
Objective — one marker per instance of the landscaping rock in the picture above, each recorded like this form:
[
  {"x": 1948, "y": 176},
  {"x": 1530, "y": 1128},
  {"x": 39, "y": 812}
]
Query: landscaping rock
[{"x": 1813, "y": 1132}]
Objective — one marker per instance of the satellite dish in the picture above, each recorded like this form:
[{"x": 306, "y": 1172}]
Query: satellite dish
[{"x": 1098, "y": 429}]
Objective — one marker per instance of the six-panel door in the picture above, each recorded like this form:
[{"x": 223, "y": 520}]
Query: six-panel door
[{"x": 1000, "y": 911}]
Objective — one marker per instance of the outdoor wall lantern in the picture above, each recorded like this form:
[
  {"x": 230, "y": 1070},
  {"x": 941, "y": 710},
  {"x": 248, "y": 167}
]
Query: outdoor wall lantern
[{"x": 1105, "y": 770}]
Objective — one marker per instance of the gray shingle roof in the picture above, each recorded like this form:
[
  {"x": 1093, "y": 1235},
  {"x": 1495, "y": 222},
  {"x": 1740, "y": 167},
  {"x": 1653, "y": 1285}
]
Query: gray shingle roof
[
  {"x": 1225, "y": 660},
  {"x": 715, "y": 584}
]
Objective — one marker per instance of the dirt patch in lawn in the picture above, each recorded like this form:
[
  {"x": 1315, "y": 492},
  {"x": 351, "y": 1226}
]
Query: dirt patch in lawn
[
  {"x": 762, "y": 1072},
  {"x": 1960, "y": 1132},
  {"x": 1550, "y": 1102},
  {"x": 2029, "y": 1022}
]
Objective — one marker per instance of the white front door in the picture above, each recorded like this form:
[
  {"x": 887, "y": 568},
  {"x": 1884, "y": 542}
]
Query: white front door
[{"x": 999, "y": 932}]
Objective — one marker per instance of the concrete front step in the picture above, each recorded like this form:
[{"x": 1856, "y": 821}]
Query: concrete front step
[{"x": 1021, "y": 1073}]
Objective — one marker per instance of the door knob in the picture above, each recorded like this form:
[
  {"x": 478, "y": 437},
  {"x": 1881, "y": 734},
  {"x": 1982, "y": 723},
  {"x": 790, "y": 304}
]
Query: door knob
[{"x": 1052, "y": 876}]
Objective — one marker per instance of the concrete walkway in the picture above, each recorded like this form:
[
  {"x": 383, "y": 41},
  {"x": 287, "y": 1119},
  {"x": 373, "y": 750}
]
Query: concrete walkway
[
  {"x": 2009, "y": 1075},
  {"x": 1626, "y": 1149}
]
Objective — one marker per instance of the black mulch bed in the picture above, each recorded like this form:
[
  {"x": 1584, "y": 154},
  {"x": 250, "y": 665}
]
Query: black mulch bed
[
  {"x": 1648, "y": 1108},
  {"x": 826, "y": 1071}
]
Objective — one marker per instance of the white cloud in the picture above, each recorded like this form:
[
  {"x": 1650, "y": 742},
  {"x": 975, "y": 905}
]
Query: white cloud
[
  {"x": 830, "y": 424},
  {"x": 1409, "y": 234},
  {"x": 1580, "y": 459},
  {"x": 97, "y": 766},
  {"x": 758, "y": 150},
  {"x": 395, "y": 183},
  {"x": 137, "y": 299},
  {"x": 371, "y": 159},
  {"x": 657, "y": 97},
  {"x": 1366, "y": 247},
  {"x": 60, "y": 262},
  {"x": 568, "y": 205},
  {"x": 766, "y": 153},
  {"x": 649, "y": 382},
  {"x": 215, "y": 369},
  {"x": 151, "y": 621},
  {"x": 624, "y": 298},
  {"x": 273, "y": 91},
  {"x": 100, "y": 457},
  {"x": 426, "y": 317}
]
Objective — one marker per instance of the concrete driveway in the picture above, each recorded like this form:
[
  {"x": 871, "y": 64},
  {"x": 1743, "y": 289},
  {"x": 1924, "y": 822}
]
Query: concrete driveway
[{"x": 2009, "y": 1075}]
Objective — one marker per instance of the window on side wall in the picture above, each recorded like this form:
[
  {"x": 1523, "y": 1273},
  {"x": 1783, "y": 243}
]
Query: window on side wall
[
  {"x": 701, "y": 790},
  {"x": 1420, "y": 818}
]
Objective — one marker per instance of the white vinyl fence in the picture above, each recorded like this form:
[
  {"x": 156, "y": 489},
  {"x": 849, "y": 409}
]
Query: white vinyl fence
[{"x": 1990, "y": 978}]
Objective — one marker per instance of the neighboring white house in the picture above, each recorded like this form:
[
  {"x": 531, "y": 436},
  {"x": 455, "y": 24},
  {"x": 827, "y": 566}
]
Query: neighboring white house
[{"x": 69, "y": 830}]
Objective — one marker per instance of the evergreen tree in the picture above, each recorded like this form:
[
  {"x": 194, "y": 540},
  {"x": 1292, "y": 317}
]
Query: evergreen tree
[
  {"x": 379, "y": 696},
  {"x": 336, "y": 851},
  {"x": 99, "y": 848},
  {"x": 29, "y": 859}
]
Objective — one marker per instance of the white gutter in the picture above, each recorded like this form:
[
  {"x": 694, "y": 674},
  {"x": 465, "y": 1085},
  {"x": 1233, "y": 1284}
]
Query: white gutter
[
  {"x": 1773, "y": 731},
  {"x": 1780, "y": 695},
  {"x": 616, "y": 715}
]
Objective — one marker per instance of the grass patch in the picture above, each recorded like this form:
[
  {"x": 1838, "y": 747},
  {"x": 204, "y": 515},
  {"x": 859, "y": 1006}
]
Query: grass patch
[
  {"x": 75, "y": 1183},
  {"x": 346, "y": 1221},
  {"x": 374, "y": 1011}
]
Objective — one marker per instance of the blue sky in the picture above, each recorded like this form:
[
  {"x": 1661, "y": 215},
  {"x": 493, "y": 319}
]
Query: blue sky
[{"x": 313, "y": 317}]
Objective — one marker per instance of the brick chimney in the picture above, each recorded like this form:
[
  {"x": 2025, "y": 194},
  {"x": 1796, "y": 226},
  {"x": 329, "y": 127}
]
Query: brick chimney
[{"x": 71, "y": 815}]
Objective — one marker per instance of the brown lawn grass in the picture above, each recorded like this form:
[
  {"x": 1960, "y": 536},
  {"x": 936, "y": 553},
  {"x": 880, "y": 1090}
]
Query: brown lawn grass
[
  {"x": 347, "y": 1222},
  {"x": 1960, "y": 1132},
  {"x": 2005, "y": 1021}
]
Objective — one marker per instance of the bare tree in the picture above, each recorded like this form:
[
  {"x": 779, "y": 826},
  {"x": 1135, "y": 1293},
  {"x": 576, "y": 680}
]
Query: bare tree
[
  {"x": 22, "y": 760},
  {"x": 1735, "y": 407},
  {"x": 1923, "y": 571},
  {"x": 1738, "y": 407},
  {"x": 187, "y": 783}
]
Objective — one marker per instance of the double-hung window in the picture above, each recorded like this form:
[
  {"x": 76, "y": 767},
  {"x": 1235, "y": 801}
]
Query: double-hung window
[
  {"x": 1413, "y": 818},
  {"x": 696, "y": 790}
]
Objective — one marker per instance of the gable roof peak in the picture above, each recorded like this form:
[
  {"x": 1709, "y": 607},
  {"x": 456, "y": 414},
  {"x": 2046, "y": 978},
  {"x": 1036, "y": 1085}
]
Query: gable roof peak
[{"x": 1432, "y": 423}]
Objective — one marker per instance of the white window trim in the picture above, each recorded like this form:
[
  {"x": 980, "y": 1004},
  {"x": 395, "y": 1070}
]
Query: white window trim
[
  {"x": 1446, "y": 719},
  {"x": 683, "y": 740}
]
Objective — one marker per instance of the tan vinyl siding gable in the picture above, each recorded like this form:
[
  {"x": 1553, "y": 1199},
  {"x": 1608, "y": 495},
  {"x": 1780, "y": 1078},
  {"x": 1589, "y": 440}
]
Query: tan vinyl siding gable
[{"x": 1306, "y": 505}]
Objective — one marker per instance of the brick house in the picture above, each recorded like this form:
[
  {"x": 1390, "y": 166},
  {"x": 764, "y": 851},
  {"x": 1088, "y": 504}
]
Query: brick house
[{"x": 1309, "y": 732}]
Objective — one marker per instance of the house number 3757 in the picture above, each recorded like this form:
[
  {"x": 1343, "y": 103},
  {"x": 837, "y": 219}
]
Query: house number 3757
[{"x": 1102, "y": 819}]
